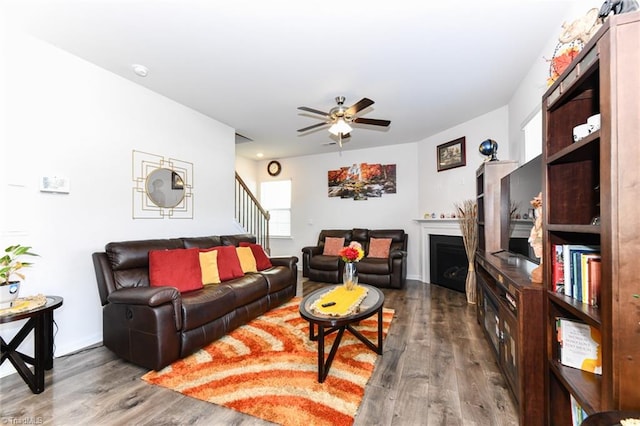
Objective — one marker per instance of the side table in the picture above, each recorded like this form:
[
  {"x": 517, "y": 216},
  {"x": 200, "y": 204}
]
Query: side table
[{"x": 40, "y": 320}]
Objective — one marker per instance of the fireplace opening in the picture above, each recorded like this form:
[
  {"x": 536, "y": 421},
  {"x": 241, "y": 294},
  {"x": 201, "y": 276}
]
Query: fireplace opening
[{"x": 448, "y": 262}]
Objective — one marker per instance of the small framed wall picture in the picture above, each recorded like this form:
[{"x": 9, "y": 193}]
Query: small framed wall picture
[
  {"x": 451, "y": 154},
  {"x": 274, "y": 168}
]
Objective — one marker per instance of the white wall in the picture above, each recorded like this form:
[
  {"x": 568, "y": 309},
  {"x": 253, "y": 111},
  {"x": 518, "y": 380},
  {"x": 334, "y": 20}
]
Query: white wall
[
  {"x": 421, "y": 188},
  {"x": 64, "y": 116},
  {"x": 248, "y": 171},
  {"x": 313, "y": 210},
  {"x": 439, "y": 191},
  {"x": 528, "y": 96}
]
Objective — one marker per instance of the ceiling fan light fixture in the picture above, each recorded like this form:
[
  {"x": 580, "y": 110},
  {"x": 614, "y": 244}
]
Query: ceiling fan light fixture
[{"x": 340, "y": 126}]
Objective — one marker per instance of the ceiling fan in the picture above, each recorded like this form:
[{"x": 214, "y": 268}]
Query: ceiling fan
[{"x": 340, "y": 116}]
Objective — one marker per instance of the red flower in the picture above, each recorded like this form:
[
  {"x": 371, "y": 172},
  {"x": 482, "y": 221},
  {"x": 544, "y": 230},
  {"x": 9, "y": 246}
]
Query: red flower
[{"x": 352, "y": 253}]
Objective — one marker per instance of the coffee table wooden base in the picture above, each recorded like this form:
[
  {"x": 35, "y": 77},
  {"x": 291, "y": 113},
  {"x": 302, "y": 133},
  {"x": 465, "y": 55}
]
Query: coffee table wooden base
[{"x": 324, "y": 366}]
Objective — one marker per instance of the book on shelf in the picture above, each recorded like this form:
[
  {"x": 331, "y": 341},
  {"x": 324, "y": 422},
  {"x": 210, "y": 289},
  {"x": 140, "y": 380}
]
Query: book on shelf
[
  {"x": 557, "y": 263},
  {"x": 575, "y": 271},
  {"x": 585, "y": 278},
  {"x": 575, "y": 265},
  {"x": 579, "y": 345},
  {"x": 594, "y": 267},
  {"x": 578, "y": 415}
]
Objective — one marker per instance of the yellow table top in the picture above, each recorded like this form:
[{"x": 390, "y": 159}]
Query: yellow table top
[{"x": 346, "y": 301}]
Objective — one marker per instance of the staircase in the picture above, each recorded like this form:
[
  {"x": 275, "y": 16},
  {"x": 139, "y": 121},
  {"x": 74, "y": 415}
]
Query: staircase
[{"x": 250, "y": 214}]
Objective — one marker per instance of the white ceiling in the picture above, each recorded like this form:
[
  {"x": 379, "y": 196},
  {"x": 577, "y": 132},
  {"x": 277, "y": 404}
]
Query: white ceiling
[{"x": 251, "y": 63}]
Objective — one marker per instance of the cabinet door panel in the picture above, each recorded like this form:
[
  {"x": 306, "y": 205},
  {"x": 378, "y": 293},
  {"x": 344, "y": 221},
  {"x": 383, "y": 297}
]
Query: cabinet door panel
[{"x": 509, "y": 349}]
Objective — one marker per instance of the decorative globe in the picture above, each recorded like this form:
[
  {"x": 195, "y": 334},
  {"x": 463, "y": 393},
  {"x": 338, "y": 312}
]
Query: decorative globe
[{"x": 490, "y": 149}]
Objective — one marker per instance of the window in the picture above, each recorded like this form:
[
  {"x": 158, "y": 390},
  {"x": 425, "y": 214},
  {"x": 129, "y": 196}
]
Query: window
[
  {"x": 275, "y": 197},
  {"x": 533, "y": 136}
]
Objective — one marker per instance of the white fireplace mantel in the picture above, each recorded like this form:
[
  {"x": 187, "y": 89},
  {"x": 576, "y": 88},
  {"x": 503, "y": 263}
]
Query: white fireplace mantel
[{"x": 433, "y": 227}]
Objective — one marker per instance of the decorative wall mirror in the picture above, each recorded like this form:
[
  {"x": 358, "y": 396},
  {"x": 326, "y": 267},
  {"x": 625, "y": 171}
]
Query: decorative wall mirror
[{"x": 163, "y": 187}]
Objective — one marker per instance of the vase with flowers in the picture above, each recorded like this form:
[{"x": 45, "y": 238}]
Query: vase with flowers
[
  {"x": 535, "y": 238},
  {"x": 10, "y": 264},
  {"x": 350, "y": 256}
]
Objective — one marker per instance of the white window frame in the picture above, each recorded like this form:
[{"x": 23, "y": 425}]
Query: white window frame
[
  {"x": 532, "y": 129},
  {"x": 277, "y": 208}
]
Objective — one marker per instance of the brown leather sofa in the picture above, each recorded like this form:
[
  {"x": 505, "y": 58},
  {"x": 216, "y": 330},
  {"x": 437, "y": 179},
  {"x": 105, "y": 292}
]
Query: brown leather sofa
[
  {"x": 390, "y": 273},
  {"x": 154, "y": 326}
]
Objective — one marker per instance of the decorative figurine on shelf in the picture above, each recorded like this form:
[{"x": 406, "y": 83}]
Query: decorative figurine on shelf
[
  {"x": 617, "y": 7},
  {"x": 572, "y": 39},
  {"x": 535, "y": 238},
  {"x": 489, "y": 148}
]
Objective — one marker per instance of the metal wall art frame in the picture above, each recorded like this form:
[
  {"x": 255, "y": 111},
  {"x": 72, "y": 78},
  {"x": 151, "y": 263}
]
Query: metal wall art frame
[
  {"x": 163, "y": 187},
  {"x": 451, "y": 154}
]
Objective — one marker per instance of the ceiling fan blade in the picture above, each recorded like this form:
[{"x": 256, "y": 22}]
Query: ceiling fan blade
[
  {"x": 359, "y": 106},
  {"x": 315, "y": 111},
  {"x": 372, "y": 121},
  {"x": 313, "y": 126}
]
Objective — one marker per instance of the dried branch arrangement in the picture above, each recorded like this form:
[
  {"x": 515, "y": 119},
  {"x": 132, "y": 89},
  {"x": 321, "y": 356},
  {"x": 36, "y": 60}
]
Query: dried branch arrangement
[{"x": 468, "y": 221}]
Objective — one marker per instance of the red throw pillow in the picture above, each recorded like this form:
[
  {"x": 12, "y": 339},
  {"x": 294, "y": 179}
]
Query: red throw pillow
[
  {"x": 332, "y": 246},
  {"x": 379, "y": 247},
  {"x": 179, "y": 268},
  {"x": 262, "y": 260},
  {"x": 228, "y": 263}
]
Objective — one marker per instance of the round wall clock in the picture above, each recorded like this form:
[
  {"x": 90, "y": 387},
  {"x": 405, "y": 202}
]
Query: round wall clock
[{"x": 274, "y": 168}]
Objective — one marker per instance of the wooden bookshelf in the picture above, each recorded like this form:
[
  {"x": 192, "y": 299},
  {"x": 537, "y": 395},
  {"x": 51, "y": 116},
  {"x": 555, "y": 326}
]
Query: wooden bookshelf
[{"x": 598, "y": 176}]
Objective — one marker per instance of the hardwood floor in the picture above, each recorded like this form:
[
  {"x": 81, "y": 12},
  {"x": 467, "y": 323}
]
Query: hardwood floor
[{"x": 437, "y": 369}]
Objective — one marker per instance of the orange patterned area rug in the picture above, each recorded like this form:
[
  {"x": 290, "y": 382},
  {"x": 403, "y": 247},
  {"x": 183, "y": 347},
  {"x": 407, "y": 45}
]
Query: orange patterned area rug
[{"x": 269, "y": 369}]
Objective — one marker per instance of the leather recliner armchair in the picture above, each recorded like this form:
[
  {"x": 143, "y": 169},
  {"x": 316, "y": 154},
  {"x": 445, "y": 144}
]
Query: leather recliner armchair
[{"x": 390, "y": 272}]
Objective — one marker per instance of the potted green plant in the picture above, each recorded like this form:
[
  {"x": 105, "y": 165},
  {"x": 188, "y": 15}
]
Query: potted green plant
[{"x": 10, "y": 264}]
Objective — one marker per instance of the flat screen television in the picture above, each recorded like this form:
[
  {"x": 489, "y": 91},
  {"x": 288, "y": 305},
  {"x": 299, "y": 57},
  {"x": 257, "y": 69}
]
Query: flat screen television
[{"x": 517, "y": 190}]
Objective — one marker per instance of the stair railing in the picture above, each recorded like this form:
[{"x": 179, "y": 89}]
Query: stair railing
[{"x": 250, "y": 214}]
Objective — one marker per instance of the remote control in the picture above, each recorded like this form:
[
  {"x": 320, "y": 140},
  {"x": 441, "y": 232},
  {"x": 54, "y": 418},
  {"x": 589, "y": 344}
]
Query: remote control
[{"x": 326, "y": 305}]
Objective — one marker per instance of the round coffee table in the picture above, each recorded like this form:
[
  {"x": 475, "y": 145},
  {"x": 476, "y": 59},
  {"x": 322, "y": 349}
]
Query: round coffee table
[{"x": 326, "y": 325}]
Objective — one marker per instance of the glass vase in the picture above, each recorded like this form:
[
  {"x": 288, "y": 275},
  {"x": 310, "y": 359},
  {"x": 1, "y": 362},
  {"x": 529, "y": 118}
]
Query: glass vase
[{"x": 350, "y": 276}]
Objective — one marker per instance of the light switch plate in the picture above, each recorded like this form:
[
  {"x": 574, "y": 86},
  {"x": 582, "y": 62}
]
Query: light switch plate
[{"x": 54, "y": 184}]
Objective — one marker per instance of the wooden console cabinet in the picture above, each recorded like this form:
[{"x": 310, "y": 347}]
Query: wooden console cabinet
[
  {"x": 510, "y": 312},
  {"x": 598, "y": 178}
]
